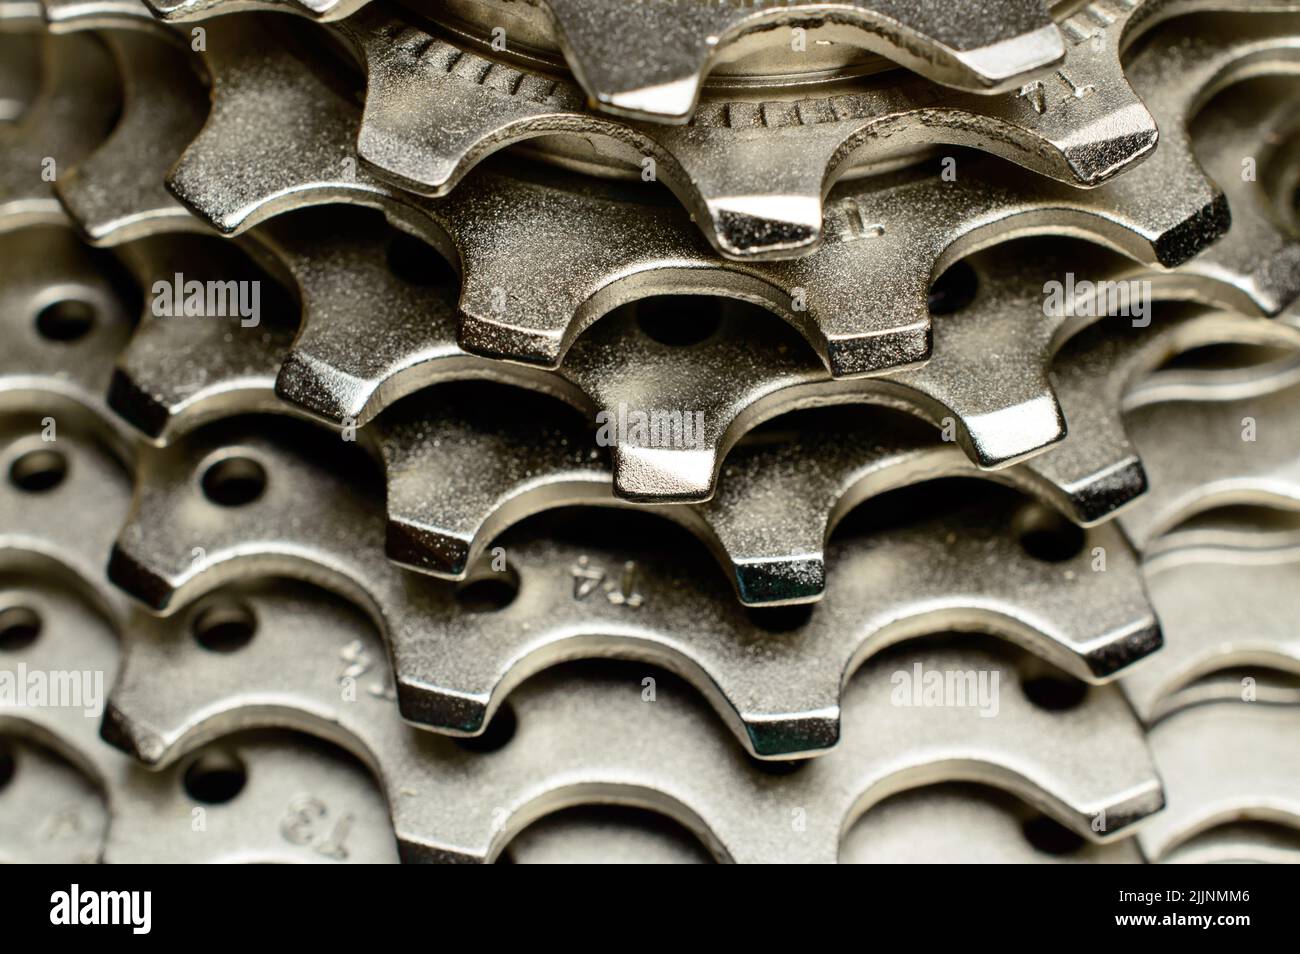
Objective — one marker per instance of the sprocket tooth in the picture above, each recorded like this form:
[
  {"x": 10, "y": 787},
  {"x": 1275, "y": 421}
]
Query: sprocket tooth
[
  {"x": 1099, "y": 465},
  {"x": 72, "y": 113},
  {"x": 1259, "y": 256},
  {"x": 441, "y": 524},
  {"x": 180, "y": 370},
  {"x": 117, "y": 193},
  {"x": 653, "y": 68},
  {"x": 469, "y": 106},
  {"x": 1244, "y": 454},
  {"x": 589, "y": 727},
  {"x": 672, "y": 45},
  {"x": 948, "y": 823},
  {"x": 1221, "y": 607},
  {"x": 288, "y": 529},
  {"x": 597, "y": 269},
  {"x": 1222, "y": 764}
]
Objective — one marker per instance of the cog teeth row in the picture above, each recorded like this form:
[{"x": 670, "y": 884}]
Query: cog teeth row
[
  {"x": 425, "y": 628},
  {"x": 19, "y": 74},
  {"x": 440, "y": 521},
  {"x": 597, "y": 730},
  {"x": 1065, "y": 795},
  {"x": 20, "y": 15},
  {"x": 752, "y": 173},
  {"x": 733, "y": 165},
  {"x": 874, "y": 231},
  {"x": 1166, "y": 514},
  {"x": 651, "y": 64},
  {"x": 843, "y": 324},
  {"x": 1093, "y": 472}
]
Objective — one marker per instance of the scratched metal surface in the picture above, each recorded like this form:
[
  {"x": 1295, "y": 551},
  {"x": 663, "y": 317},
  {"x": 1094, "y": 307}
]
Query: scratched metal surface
[{"x": 347, "y": 573}]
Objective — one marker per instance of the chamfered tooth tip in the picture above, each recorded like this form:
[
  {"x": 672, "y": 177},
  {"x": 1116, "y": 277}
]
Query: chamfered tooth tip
[
  {"x": 462, "y": 714},
  {"x": 137, "y": 406},
  {"x": 427, "y": 549},
  {"x": 793, "y": 735},
  {"x": 671, "y": 102},
  {"x": 130, "y": 737},
  {"x": 782, "y": 582},
  {"x": 1003, "y": 65},
  {"x": 1104, "y": 494},
  {"x": 139, "y": 581},
  {"x": 321, "y": 389},
  {"x": 494, "y": 339}
]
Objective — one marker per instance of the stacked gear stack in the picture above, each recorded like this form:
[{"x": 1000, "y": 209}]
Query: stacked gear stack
[{"x": 659, "y": 431}]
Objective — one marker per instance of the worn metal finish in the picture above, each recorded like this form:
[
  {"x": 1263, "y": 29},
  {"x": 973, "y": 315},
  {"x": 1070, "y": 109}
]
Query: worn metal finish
[
  {"x": 650, "y": 60},
  {"x": 590, "y": 736},
  {"x": 289, "y": 572},
  {"x": 898, "y": 232},
  {"x": 966, "y": 569}
]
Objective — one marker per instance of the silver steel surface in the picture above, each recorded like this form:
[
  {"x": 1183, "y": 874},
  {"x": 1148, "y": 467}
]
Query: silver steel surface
[{"x": 592, "y": 736}]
